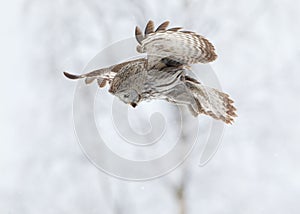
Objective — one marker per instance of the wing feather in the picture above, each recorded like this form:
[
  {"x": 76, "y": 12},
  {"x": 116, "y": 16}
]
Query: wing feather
[
  {"x": 101, "y": 75},
  {"x": 138, "y": 35},
  {"x": 174, "y": 29},
  {"x": 107, "y": 75},
  {"x": 212, "y": 102},
  {"x": 185, "y": 47},
  {"x": 149, "y": 28},
  {"x": 163, "y": 26}
]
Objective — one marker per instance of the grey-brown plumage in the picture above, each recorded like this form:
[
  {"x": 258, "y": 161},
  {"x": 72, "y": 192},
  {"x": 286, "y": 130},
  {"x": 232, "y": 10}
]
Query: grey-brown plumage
[{"x": 163, "y": 74}]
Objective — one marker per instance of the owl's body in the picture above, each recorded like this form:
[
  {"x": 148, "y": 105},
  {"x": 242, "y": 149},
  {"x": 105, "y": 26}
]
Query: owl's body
[{"x": 163, "y": 74}]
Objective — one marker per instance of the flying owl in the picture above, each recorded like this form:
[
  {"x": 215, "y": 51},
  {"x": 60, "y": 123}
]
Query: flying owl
[{"x": 163, "y": 73}]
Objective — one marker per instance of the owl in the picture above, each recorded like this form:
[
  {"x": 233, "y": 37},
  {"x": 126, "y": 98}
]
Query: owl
[{"x": 163, "y": 74}]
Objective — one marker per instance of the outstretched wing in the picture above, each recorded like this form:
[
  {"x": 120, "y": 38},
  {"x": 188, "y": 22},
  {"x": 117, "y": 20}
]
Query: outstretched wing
[
  {"x": 106, "y": 75},
  {"x": 211, "y": 102},
  {"x": 173, "y": 85},
  {"x": 102, "y": 76},
  {"x": 184, "y": 47}
]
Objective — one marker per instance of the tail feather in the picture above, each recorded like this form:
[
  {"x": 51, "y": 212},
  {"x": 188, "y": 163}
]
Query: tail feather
[{"x": 212, "y": 102}]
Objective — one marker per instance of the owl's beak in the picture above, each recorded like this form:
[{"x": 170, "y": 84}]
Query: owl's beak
[{"x": 133, "y": 105}]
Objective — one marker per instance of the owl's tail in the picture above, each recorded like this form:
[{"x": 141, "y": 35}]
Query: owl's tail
[{"x": 211, "y": 102}]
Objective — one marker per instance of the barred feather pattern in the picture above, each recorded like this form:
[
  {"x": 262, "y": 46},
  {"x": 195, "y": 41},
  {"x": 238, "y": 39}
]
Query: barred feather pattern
[
  {"x": 185, "y": 47},
  {"x": 212, "y": 102},
  {"x": 163, "y": 74},
  {"x": 173, "y": 85},
  {"x": 106, "y": 75},
  {"x": 177, "y": 87}
]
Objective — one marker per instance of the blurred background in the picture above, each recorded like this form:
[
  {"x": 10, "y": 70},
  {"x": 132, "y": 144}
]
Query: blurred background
[{"x": 42, "y": 168}]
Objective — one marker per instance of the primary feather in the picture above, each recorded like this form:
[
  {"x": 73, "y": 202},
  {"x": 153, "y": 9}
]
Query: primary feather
[{"x": 185, "y": 47}]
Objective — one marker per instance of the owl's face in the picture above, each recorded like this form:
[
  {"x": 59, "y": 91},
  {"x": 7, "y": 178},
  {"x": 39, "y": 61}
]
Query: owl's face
[{"x": 129, "y": 96}]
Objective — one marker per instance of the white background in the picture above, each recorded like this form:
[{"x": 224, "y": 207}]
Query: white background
[{"x": 42, "y": 168}]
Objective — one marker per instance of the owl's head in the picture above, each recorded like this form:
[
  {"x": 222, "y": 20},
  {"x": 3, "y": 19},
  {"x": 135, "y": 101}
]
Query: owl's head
[{"x": 129, "y": 96}]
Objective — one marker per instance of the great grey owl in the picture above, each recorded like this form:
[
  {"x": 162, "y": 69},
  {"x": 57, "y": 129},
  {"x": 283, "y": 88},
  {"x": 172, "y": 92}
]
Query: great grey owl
[{"x": 163, "y": 74}]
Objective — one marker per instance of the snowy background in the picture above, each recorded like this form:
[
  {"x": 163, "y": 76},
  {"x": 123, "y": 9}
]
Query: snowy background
[{"x": 42, "y": 168}]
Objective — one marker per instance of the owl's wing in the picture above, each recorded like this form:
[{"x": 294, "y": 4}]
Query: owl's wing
[
  {"x": 102, "y": 76},
  {"x": 106, "y": 75},
  {"x": 174, "y": 44},
  {"x": 201, "y": 99},
  {"x": 173, "y": 85},
  {"x": 211, "y": 101}
]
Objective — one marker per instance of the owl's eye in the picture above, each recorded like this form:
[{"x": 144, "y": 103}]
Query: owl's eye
[{"x": 126, "y": 95}]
